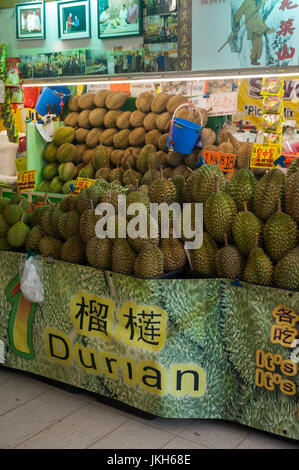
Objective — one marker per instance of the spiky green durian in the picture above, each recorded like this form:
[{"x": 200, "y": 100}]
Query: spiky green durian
[
  {"x": 123, "y": 257},
  {"x": 174, "y": 254},
  {"x": 149, "y": 262},
  {"x": 202, "y": 259},
  {"x": 17, "y": 233},
  {"x": 244, "y": 227},
  {"x": 286, "y": 274},
  {"x": 204, "y": 182},
  {"x": 98, "y": 252},
  {"x": 292, "y": 196},
  {"x": 259, "y": 267},
  {"x": 241, "y": 188},
  {"x": 229, "y": 261},
  {"x": 266, "y": 193}
]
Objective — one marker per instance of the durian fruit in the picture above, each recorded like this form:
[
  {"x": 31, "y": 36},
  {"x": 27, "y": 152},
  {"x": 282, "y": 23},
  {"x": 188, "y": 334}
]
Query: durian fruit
[
  {"x": 163, "y": 141},
  {"x": 96, "y": 117},
  {"x": 129, "y": 159},
  {"x": 116, "y": 157},
  {"x": 149, "y": 262},
  {"x": 174, "y": 159},
  {"x": 63, "y": 135},
  {"x": 199, "y": 116},
  {"x": 103, "y": 173},
  {"x": 280, "y": 234},
  {"x": 116, "y": 99},
  {"x": 111, "y": 117},
  {"x": 44, "y": 186},
  {"x": 121, "y": 139},
  {"x": 244, "y": 228},
  {"x": 162, "y": 190},
  {"x": 191, "y": 159},
  {"x": 67, "y": 171},
  {"x": 149, "y": 121},
  {"x": 179, "y": 183},
  {"x": 167, "y": 172},
  {"x": 137, "y": 197},
  {"x": 17, "y": 233},
  {"x": 56, "y": 184},
  {"x": 66, "y": 153},
  {"x": 68, "y": 224},
  {"x": 174, "y": 254},
  {"x": 226, "y": 147},
  {"x": 107, "y": 135},
  {"x": 123, "y": 120},
  {"x": 100, "y": 158},
  {"x": 66, "y": 188},
  {"x": 293, "y": 168},
  {"x": 37, "y": 214},
  {"x": 50, "y": 247},
  {"x": 87, "y": 171},
  {"x": 143, "y": 101},
  {"x": 73, "y": 250},
  {"x": 87, "y": 225},
  {"x": 161, "y": 159},
  {"x": 13, "y": 213},
  {"x": 152, "y": 137},
  {"x": 83, "y": 119},
  {"x": 137, "y": 137},
  {"x": 148, "y": 177},
  {"x": 110, "y": 196},
  {"x": 86, "y": 101},
  {"x": 71, "y": 119},
  {"x": 241, "y": 188},
  {"x": 87, "y": 155},
  {"x": 219, "y": 213},
  {"x": 259, "y": 267},
  {"x": 243, "y": 155},
  {"x": 18, "y": 198},
  {"x": 204, "y": 182},
  {"x": 98, "y": 252},
  {"x": 4, "y": 201},
  {"x": 80, "y": 149},
  {"x": 188, "y": 188},
  {"x": 146, "y": 159},
  {"x": 50, "y": 170},
  {"x": 33, "y": 238},
  {"x": 229, "y": 262},
  {"x": 68, "y": 203},
  {"x": 131, "y": 176},
  {"x": 202, "y": 260},
  {"x": 49, "y": 221},
  {"x": 174, "y": 102},
  {"x": 159, "y": 103},
  {"x": 73, "y": 103},
  {"x": 50, "y": 153},
  {"x": 136, "y": 118},
  {"x": 292, "y": 196},
  {"x": 100, "y": 98},
  {"x": 266, "y": 193},
  {"x": 286, "y": 273},
  {"x": 123, "y": 257},
  {"x": 116, "y": 174},
  {"x": 93, "y": 137},
  {"x": 81, "y": 135},
  {"x": 4, "y": 226},
  {"x": 208, "y": 136},
  {"x": 138, "y": 243},
  {"x": 163, "y": 122}
]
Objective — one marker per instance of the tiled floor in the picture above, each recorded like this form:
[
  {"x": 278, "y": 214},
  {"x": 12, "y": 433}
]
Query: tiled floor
[{"x": 38, "y": 415}]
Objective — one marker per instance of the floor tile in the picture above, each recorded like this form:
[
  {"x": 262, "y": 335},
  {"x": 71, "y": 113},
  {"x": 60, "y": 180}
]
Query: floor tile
[
  {"x": 172, "y": 426},
  {"x": 260, "y": 440},
  {"x": 18, "y": 391},
  {"x": 34, "y": 416},
  {"x": 215, "y": 434},
  {"x": 6, "y": 375},
  {"x": 133, "y": 435},
  {"x": 179, "y": 443},
  {"x": 77, "y": 431}
]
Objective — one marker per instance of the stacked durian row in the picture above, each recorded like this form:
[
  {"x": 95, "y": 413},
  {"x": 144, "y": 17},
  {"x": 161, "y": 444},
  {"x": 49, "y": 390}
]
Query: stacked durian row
[{"x": 97, "y": 120}]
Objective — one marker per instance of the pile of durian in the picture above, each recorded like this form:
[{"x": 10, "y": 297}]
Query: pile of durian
[{"x": 96, "y": 122}]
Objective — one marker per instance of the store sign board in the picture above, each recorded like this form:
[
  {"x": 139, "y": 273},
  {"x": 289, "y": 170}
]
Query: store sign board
[
  {"x": 185, "y": 35},
  {"x": 265, "y": 155},
  {"x": 225, "y": 161},
  {"x": 140, "y": 341},
  {"x": 26, "y": 180}
]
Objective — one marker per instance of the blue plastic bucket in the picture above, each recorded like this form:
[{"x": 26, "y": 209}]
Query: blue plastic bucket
[
  {"x": 183, "y": 135},
  {"x": 50, "y": 96}
]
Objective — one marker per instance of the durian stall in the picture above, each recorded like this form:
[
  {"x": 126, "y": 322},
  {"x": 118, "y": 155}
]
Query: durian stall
[{"x": 209, "y": 332}]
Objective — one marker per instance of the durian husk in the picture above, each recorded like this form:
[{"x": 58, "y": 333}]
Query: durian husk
[
  {"x": 93, "y": 137},
  {"x": 191, "y": 159},
  {"x": 79, "y": 154},
  {"x": 163, "y": 121},
  {"x": 73, "y": 104},
  {"x": 121, "y": 139},
  {"x": 162, "y": 159},
  {"x": 106, "y": 137},
  {"x": 81, "y": 135},
  {"x": 152, "y": 137},
  {"x": 116, "y": 99},
  {"x": 175, "y": 159},
  {"x": 137, "y": 137},
  {"x": 87, "y": 156},
  {"x": 83, "y": 119},
  {"x": 111, "y": 117},
  {"x": 174, "y": 102},
  {"x": 136, "y": 118},
  {"x": 71, "y": 119},
  {"x": 149, "y": 122},
  {"x": 123, "y": 120},
  {"x": 159, "y": 103},
  {"x": 208, "y": 136},
  {"x": 143, "y": 101},
  {"x": 86, "y": 101},
  {"x": 162, "y": 142},
  {"x": 100, "y": 98},
  {"x": 167, "y": 172},
  {"x": 96, "y": 117},
  {"x": 116, "y": 157}
]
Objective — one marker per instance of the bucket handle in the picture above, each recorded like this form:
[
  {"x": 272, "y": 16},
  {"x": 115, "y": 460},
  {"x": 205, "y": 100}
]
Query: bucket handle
[{"x": 189, "y": 105}]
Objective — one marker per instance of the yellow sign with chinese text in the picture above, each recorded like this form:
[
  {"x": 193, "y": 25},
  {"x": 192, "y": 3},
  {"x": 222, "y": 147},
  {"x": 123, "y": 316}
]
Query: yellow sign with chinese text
[
  {"x": 265, "y": 155},
  {"x": 26, "y": 180},
  {"x": 82, "y": 183}
]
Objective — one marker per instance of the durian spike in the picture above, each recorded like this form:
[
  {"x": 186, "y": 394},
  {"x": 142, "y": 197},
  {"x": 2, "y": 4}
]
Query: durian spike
[
  {"x": 91, "y": 203},
  {"x": 279, "y": 206},
  {"x": 225, "y": 239},
  {"x": 245, "y": 206}
]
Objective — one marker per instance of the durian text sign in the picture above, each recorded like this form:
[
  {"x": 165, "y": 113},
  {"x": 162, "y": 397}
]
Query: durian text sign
[
  {"x": 225, "y": 161},
  {"x": 264, "y": 155}
]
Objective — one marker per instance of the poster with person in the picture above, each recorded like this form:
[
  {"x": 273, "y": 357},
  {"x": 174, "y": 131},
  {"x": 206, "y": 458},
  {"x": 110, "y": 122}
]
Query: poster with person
[{"x": 119, "y": 18}]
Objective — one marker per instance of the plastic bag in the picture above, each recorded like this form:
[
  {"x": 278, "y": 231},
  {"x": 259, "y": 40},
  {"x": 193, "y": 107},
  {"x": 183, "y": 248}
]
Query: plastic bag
[
  {"x": 30, "y": 279},
  {"x": 272, "y": 86}
]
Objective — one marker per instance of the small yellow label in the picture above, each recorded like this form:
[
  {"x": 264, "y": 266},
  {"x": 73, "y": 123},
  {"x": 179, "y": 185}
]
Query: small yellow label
[
  {"x": 21, "y": 164},
  {"x": 82, "y": 183},
  {"x": 26, "y": 180}
]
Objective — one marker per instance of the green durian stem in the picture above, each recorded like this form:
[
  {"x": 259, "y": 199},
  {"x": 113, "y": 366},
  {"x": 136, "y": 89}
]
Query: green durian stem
[
  {"x": 161, "y": 172},
  {"x": 256, "y": 240},
  {"x": 22, "y": 218},
  {"x": 245, "y": 206},
  {"x": 225, "y": 239},
  {"x": 279, "y": 206}
]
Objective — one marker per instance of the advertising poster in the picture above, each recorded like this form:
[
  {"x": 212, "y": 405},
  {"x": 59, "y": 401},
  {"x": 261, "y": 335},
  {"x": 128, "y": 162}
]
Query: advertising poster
[
  {"x": 175, "y": 348},
  {"x": 250, "y": 33},
  {"x": 119, "y": 18},
  {"x": 161, "y": 57}
]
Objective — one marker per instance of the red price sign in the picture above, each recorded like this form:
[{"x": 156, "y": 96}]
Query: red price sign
[{"x": 225, "y": 161}]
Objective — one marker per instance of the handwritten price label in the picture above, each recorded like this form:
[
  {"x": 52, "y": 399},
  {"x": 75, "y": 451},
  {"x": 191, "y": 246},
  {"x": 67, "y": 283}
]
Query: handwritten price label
[
  {"x": 82, "y": 183},
  {"x": 225, "y": 161},
  {"x": 26, "y": 180},
  {"x": 264, "y": 155}
]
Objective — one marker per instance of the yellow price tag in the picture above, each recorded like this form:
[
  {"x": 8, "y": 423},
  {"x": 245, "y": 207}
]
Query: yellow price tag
[
  {"x": 82, "y": 183},
  {"x": 21, "y": 164},
  {"x": 26, "y": 180},
  {"x": 264, "y": 155}
]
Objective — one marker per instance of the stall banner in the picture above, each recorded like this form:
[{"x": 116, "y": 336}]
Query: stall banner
[
  {"x": 175, "y": 348},
  {"x": 234, "y": 34},
  {"x": 250, "y": 100}
]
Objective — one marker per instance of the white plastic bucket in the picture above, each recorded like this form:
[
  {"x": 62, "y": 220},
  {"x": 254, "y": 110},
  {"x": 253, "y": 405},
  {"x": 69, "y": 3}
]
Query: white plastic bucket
[{"x": 8, "y": 152}]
